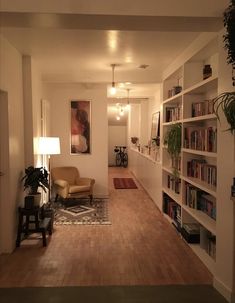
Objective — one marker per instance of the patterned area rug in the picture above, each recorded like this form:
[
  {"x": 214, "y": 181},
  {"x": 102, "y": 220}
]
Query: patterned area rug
[
  {"x": 80, "y": 211},
  {"x": 124, "y": 183}
]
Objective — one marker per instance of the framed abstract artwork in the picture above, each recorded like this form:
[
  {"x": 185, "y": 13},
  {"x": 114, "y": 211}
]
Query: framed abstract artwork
[{"x": 80, "y": 133}]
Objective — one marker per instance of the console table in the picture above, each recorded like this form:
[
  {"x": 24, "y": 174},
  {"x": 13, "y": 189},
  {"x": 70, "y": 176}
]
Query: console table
[{"x": 34, "y": 220}]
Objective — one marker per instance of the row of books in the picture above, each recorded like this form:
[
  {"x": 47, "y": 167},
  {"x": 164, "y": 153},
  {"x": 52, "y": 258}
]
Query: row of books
[
  {"x": 198, "y": 199},
  {"x": 211, "y": 247},
  {"x": 173, "y": 113},
  {"x": 201, "y": 138},
  {"x": 202, "y": 108},
  {"x": 198, "y": 168},
  {"x": 173, "y": 210},
  {"x": 174, "y": 183}
]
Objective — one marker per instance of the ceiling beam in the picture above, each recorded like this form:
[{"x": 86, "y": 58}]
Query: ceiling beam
[{"x": 111, "y": 22}]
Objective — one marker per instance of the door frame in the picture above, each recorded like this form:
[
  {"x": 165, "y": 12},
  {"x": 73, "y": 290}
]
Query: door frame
[{"x": 4, "y": 169}]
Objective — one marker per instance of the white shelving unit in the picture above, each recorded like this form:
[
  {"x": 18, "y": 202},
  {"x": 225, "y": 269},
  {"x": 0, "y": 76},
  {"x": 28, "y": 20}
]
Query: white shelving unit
[{"x": 196, "y": 94}]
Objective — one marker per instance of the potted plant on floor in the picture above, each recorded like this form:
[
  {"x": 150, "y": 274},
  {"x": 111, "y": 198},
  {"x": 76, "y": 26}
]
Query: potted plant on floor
[{"x": 34, "y": 178}]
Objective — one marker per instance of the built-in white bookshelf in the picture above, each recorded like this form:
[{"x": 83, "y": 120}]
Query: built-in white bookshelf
[{"x": 187, "y": 100}]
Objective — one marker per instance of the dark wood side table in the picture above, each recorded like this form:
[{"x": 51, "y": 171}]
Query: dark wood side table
[{"x": 34, "y": 220}]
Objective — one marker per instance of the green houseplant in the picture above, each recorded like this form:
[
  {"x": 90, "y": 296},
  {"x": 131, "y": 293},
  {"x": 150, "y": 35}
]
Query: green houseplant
[
  {"x": 226, "y": 101},
  {"x": 34, "y": 178},
  {"x": 172, "y": 140}
]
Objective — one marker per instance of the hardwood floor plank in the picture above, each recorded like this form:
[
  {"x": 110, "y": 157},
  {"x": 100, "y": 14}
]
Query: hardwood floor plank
[{"x": 140, "y": 247}]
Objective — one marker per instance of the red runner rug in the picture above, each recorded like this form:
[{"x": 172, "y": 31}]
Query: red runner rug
[{"x": 124, "y": 183}]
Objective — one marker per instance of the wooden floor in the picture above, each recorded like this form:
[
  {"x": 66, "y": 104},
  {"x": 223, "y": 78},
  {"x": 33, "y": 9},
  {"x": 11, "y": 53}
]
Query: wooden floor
[{"x": 139, "y": 248}]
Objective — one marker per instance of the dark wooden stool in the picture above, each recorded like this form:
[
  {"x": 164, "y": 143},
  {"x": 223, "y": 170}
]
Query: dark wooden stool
[{"x": 34, "y": 216}]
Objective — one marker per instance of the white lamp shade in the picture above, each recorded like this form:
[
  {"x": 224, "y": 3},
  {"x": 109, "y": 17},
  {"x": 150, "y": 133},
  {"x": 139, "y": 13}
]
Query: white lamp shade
[{"x": 49, "y": 146}]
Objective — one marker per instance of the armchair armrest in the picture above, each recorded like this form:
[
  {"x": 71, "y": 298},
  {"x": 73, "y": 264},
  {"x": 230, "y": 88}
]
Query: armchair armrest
[
  {"x": 85, "y": 181},
  {"x": 61, "y": 183}
]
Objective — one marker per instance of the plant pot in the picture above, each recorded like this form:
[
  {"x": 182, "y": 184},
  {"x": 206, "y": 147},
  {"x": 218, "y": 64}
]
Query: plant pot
[{"x": 33, "y": 200}]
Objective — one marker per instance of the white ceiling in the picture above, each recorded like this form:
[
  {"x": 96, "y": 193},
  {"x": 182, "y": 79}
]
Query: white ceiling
[{"x": 80, "y": 43}]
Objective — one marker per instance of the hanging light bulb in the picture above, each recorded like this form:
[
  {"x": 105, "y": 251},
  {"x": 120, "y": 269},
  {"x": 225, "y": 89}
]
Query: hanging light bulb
[
  {"x": 128, "y": 99},
  {"x": 118, "y": 118},
  {"x": 113, "y": 88}
]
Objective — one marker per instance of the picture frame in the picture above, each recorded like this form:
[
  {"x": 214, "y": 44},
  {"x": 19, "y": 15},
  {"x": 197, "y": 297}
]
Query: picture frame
[
  {"x": 155, "y": 128},
  {"x": 80, "y": 127}
]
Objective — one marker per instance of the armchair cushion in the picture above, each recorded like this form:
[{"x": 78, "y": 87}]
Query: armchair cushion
[{"x": 78, "y": 189}]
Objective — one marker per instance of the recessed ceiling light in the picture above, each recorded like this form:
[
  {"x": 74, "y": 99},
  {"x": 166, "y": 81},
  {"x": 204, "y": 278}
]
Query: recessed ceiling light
[{"x": 127, "y": 83}]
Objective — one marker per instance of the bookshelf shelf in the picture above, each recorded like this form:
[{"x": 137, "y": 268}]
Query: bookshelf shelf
[
  {"x": 198, "y": 152},
  {"x": 193, "y": 108},
  {"x": 205, "y": 258},
  {"x": 199, "y": 118},
  {"x": 203, "y": 86},
  {"x": 202, "y": 218},
  {"x": 169, "y": 170},
  {"x": 171, "y": 123},
  {"x": 174, "y": 99},
  {"x": 202, "y": 185},
  {"x": 173, "y": 195}
]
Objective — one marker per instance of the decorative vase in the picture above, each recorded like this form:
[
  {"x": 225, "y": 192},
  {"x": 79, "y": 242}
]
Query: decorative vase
[
  {"x": 36, "y": 199},
  {"x": 207, "y": 71}
]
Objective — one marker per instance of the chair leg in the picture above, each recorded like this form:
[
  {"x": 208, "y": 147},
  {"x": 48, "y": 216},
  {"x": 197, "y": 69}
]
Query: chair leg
[
  {"x": 56, "y": 198},
  {"x": 44, "y": 239},
  {"x": 91, "y": 198}
]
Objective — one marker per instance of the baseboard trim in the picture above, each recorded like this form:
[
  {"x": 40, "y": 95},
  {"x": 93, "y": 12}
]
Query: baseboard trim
[{"x": 223, "y": 290}]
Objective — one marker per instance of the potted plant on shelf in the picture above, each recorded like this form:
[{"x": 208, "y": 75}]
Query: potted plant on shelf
[
  {"x": 172, "y": 140},
  {"x": 226, "y": 100},
  {"x": 34, "y": 178}
]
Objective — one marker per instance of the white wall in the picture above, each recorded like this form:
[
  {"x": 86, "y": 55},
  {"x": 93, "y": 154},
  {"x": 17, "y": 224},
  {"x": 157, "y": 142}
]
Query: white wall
[
  {"x": 134, "y": 120},
  {"x": 11, "y": 82},
  {"x": 117, "y": 135},
  {"x": 94, "y": 165},
  {"x": 225, "y": 206},
  {"x": 146, "y": 171}
]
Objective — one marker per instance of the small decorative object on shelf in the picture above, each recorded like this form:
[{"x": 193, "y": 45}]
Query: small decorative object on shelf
[
  {"x": 207, "y": 71},
  {"x": 233, "y": 188},
  {"x": 174, "y": 91},
  {"x": 134, "y": 140}
]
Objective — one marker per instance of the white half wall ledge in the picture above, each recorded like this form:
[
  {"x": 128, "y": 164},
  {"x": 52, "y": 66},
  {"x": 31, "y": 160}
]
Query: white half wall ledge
[{"x": 223, "y": 290}]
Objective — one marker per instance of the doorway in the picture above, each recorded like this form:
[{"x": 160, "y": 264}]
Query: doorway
[
  {"x": 4, "y": 166},
  {"x": 117, "y": 129}
]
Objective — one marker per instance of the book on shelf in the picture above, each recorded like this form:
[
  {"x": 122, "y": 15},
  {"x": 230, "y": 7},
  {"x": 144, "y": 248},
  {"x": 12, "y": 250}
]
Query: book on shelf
[
  {"x": 211, "y": 248},
  {"x": 208, "y": 205},
  {"x": 200, "y": 138},
  {"x": 202, "y": 108},
  {"x": 174, "y": 183},
  {"x": 172, "y": 209},
  {"x": 198, "y": 199},
  {"x": 200, "y": 169},
  {"x": 191, "y": 232},
  {"x": 173, "y": 113}
]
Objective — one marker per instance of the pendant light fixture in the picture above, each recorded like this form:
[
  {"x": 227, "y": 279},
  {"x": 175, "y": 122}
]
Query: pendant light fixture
[
  {"x": 113, "y": 88},
  {"x": 128, "y": 98}
]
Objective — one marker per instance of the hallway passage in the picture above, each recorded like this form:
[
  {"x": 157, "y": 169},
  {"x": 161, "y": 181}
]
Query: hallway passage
[{"x": 140, "y": 247}]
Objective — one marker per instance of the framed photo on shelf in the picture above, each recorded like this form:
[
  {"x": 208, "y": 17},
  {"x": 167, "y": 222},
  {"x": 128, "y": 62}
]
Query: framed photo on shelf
[
  {"x": 80, "y": 132},
  {"x": 155, "y": 128}
]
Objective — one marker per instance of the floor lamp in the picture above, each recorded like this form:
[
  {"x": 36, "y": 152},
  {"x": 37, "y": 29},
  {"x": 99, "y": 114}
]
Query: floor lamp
[{"x": 49, "y": 146}]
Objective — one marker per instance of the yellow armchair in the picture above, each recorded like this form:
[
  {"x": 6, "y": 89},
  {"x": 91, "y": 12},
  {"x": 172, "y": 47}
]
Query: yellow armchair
[{"x": 67, "y": 183}]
